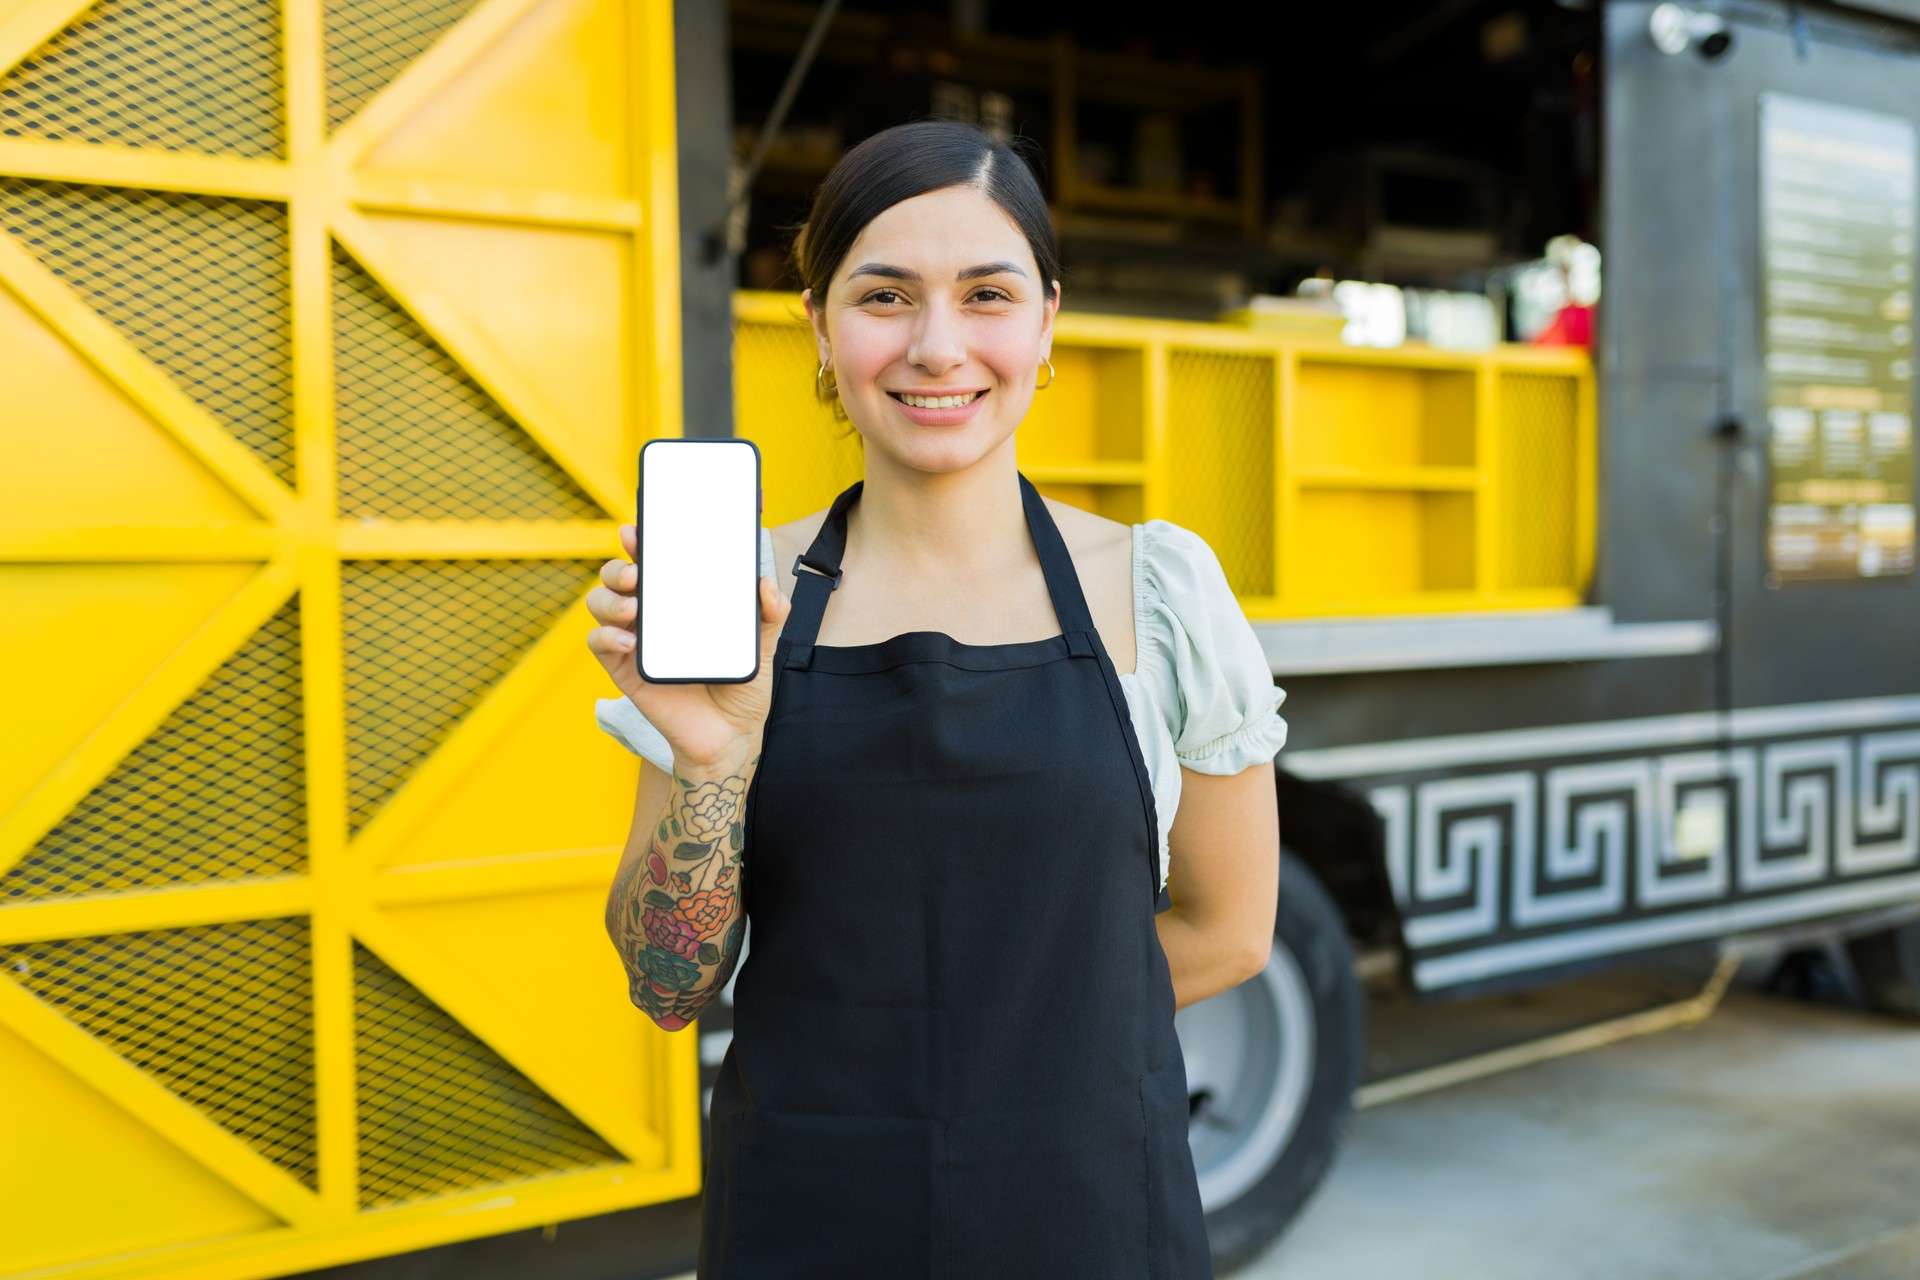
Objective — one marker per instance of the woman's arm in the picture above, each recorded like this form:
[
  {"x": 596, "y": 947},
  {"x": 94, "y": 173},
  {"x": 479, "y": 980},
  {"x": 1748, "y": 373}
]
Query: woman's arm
[
  {"x": 1224, "y": 879},
  {"x": 675, "y": 900}
]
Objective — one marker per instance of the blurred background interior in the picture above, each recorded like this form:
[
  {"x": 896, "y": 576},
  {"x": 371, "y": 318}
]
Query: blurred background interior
[{"x": 1231, "y": 157}]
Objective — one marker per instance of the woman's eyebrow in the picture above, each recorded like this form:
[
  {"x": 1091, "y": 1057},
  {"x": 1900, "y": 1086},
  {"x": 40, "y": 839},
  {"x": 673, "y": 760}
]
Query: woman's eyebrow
[
  {"x": 990, "y": 269},
  {"x": 902, "y": 273}
]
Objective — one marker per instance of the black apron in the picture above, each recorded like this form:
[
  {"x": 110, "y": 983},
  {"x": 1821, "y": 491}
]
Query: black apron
[{"x": 953, "y": 1052}]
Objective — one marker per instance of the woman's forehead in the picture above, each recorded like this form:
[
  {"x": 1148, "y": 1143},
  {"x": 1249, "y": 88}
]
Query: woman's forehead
[{"x": 954, "y": 226}]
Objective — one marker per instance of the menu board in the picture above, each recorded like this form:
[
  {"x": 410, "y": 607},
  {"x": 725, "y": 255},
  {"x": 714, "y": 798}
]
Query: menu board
[{"x": 1837, "y": 247}]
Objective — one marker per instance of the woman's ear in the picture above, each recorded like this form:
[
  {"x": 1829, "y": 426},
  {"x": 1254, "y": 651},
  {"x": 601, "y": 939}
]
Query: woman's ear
[
  {"x": 1048, "y": 311},
  {"x": 818, "y": 320}
]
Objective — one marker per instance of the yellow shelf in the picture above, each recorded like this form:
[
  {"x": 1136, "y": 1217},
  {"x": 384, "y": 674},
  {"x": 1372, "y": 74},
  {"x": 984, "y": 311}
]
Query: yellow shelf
[
  {"x": 1444, "y": 479},
  {"x": 1329, "y": 481}
]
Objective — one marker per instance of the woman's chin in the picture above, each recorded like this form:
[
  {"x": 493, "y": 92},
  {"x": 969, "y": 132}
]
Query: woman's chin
[{"x": 931, "y": 454}]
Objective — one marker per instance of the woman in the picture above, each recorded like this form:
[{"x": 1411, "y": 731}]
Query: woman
[{"x": 954, "y": 1051}]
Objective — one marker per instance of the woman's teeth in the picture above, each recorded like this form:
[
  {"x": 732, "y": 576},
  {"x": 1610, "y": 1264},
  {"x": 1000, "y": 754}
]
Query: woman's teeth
[{"x": 940, "y": 402}]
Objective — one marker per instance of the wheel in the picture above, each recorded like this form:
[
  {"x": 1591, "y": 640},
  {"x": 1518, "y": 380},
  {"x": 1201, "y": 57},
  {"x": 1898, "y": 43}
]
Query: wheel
[
  {"x": 1271, "y": 1069},
  {"x": 1888, "y": 966}
]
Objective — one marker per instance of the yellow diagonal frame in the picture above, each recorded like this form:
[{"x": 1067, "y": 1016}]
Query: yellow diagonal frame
[
  {"x": 177, "y": 679},
  {"x": 542, "y": 1061},
  {"x": 490, "y": 718},
  {"x": 173, "y": 1118},
  {"x": 475, "y": 355},
  {"x": 107, "y": 165},
  {"x": 32, "y": 24},
  {"x": 425, "y": 77},
  {"x": 96, "y": 338}
]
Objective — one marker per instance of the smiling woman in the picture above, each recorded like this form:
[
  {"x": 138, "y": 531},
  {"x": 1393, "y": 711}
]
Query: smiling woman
[{"x": 941, "y": 802}]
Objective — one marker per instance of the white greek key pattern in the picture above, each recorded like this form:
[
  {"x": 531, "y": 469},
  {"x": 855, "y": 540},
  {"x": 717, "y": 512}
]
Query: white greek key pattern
[{"x": 1574, "y": 846}]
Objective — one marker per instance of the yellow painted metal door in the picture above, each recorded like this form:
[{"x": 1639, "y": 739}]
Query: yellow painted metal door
[{"x": 329, "y": 332}]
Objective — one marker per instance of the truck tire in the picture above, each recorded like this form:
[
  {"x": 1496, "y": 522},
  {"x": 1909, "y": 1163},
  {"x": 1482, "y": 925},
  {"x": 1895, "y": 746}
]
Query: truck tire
[
  {"x": 1271, "y": 1069},
  {"x": 1888, "y": 966}
]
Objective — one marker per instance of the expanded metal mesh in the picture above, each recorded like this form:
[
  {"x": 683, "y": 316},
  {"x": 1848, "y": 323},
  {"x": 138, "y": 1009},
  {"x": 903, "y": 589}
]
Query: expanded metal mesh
[
  {"x": 217, "y": 793},
  {"x": 440, "y": 1111},
  {"x": 1220, "y": 459},
  {"x": 424, "y": 641},
  {"x": 138, "y": 73},
  {"x": 222, "y": 1014},
  {"x": 1538, "y": 476},
  {"x": 199, "y": 284},
  {"x": 369, "y": 42},
  {"x": 418, "y": 438},
  {"x": 807, "y": 454}
]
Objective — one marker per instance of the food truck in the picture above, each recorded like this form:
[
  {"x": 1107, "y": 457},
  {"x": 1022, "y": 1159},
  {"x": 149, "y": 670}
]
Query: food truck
[{"x": 322, "y": 397}]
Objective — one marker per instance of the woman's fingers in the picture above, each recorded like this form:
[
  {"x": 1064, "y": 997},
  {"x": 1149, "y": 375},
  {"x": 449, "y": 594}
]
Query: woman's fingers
[
  {"x": 774, "y": 603},
  {"x": 618, "y": 575},
  {"x": 610, "y": 643},
  {"x": 611, "y": 607}
]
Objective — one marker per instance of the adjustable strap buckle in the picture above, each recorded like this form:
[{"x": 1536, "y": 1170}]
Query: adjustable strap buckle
[{"x": 800, "y": 561}]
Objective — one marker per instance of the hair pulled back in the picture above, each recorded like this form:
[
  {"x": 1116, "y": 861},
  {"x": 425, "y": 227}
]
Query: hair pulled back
[{"x": 910, "y": 160}]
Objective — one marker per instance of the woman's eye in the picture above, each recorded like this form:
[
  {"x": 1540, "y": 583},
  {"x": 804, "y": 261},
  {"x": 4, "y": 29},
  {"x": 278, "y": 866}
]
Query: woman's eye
[
  {"x": 991, "y": 295},
  {"x": 885, "y": 297}
]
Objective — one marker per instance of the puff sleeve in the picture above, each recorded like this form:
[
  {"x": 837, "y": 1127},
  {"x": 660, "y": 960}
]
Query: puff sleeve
[
  {"x": 1201, "y": 693},
  {"x": 1208, "y": 673}
]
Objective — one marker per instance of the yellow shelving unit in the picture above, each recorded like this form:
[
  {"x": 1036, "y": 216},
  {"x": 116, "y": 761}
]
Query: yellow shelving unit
[{"x": 1330, "y": 480}]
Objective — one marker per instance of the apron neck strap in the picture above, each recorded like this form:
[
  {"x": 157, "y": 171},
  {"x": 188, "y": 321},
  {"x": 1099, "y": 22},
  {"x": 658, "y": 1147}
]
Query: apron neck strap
[
  {"x": 1063, "y": 584},
  {"x": 817, "y": 572}
]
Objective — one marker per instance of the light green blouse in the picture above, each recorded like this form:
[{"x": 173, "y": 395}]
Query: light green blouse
[{"x": 1201, "y": 694}]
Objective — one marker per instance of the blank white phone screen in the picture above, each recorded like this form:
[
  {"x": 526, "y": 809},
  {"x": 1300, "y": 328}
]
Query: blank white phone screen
[{"x": 699, "y": 560}]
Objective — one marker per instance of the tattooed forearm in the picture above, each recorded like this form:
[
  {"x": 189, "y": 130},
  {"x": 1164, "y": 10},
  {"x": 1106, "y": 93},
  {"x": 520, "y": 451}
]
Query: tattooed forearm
[{"x": 674, "y": 913}]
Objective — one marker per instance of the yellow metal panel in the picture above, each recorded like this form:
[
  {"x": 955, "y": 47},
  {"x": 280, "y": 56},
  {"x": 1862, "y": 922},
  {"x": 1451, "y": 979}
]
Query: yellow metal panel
[
  {"x": 528, "y": 975},
  {"x": 480, "y": 811},
  {"x": 55, "y": 619},
  {"x": 370, "y": 462},
  {"x": 202, "y": 798},
  {"x": 63, "y": 1135},
  {"x": 81, "y": 454},
  {"x": 566, "y": 346},
  {"x": 545, "y": 106},
  {"x": 167, "y": 105}
]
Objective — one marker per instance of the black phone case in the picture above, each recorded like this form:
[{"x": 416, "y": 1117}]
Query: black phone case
[{"x": 640, "y": 556}]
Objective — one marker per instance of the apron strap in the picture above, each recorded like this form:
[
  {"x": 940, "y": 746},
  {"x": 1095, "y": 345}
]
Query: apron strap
[
  {"x": 817, "y": 573},
  {"x": 1063, "y": 584}
]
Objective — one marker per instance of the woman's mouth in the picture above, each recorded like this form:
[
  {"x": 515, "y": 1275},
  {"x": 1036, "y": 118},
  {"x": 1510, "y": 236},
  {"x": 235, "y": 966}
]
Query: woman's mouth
[
  {"x": 937, "y": 402},
  {"x": 939, "y": 411}
]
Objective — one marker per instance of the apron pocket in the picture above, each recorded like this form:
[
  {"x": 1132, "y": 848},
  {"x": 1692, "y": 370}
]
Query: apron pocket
[
  {"x": 825, "y": 1197},
  {"x": 1059, "y": 1191}
]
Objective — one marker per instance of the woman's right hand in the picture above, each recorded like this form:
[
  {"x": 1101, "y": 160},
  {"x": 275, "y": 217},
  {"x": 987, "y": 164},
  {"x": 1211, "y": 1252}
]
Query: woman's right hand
[{"x": 706, "y": 724}]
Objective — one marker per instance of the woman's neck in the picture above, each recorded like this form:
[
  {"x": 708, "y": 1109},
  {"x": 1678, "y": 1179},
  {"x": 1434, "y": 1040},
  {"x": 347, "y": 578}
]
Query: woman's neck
[{"x": 915, "y": 526}]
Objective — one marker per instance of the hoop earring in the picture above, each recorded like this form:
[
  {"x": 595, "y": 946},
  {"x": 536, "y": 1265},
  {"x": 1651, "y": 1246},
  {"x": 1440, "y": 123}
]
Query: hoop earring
[
  {"x": 1042, "y": 386},
  {"x": 826, "y": 385}
]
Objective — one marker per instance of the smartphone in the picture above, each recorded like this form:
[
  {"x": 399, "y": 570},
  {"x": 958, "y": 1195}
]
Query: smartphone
[{"x": 698, "y": 554}]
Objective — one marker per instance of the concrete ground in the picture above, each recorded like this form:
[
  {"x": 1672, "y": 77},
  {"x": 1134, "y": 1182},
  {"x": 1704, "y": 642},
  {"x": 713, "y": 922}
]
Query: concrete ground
[{"x": 1779, "y": 1140}]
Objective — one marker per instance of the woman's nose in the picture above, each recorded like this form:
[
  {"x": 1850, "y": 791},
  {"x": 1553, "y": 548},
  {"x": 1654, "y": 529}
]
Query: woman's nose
[{"x": 936, "y": 345}]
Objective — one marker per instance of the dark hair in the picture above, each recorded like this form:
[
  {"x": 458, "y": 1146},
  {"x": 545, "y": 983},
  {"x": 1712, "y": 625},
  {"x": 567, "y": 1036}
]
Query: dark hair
[{"x": 910, "y": 160}]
